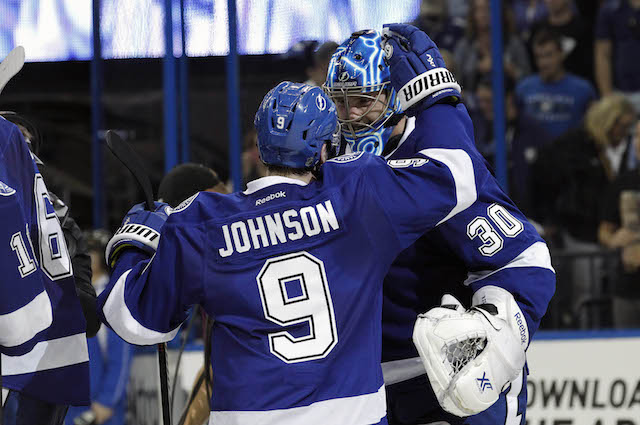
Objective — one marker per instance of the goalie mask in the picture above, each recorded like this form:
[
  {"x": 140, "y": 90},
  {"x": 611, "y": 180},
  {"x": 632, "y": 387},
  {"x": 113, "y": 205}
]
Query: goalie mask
[{"x": 358, "y": 81}]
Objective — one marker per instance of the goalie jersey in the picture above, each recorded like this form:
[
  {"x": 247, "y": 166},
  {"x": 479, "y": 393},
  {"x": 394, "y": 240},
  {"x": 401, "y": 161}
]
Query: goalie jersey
[
  {"x": 292, "y": 275},
  {"x": 43, "y": 343},
  {"x": 490, "y": 243}
]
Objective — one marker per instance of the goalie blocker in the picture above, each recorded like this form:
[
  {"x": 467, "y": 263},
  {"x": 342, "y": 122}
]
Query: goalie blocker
[{"x": 472, "y": 355}]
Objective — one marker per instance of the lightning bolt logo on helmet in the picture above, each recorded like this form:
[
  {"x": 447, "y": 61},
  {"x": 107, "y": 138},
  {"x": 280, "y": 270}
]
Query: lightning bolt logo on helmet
[{"x": 358, "y": 79}]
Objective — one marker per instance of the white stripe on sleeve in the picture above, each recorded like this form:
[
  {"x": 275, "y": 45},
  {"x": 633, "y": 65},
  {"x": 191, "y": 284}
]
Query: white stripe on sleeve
[
  {"x": 124, "y": 324},
  {"x": 537, "y": 255},
  {"x": 461, "y": 167}
]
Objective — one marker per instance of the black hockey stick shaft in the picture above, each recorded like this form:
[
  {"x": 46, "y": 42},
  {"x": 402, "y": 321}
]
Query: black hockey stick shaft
[{"x": 130, "y": 159}]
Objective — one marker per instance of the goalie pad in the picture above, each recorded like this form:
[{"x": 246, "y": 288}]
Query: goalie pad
[{"x": 472, "y": 356}]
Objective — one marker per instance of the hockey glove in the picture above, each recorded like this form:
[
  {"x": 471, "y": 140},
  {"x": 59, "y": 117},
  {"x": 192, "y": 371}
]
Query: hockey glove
[
  {"x": 472, "y": 356},
  {"x": 140, "y": 230},
  {"x": 418, "y": 72}
]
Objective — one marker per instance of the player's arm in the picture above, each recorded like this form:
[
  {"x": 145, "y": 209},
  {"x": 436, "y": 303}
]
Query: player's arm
[
  {"x": 492, "y": 336},
  {"x": 500, "y": 247},
  {"x": 155, "y": 278},
  {"x": 25, "y": 307},
  {"x": 422, "y": 192},
  {"x": 513, "y": 281}
]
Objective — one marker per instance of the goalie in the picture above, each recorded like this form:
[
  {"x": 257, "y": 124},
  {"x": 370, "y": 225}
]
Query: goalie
[{"x": 395, "y": 97}]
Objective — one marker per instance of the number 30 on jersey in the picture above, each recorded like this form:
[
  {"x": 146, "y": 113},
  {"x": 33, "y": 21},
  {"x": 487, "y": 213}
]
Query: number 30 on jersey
[{"x": 482, "y": 228}]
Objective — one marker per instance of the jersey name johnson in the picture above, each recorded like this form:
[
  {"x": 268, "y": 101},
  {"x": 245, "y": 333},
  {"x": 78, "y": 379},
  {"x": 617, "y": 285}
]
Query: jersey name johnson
[{"x": 271, "y": 229}]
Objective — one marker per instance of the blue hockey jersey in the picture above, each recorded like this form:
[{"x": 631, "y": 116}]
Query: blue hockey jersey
[
  {"x": 292, "y": 275},
  {"x": 489, "y": 243},
  {"x": 38, "y": 300},
  {"x": 25, "y": 307}
]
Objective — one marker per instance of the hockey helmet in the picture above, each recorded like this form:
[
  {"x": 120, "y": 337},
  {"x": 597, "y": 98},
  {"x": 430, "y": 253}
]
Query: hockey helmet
[{"x": 293, "y": 122}]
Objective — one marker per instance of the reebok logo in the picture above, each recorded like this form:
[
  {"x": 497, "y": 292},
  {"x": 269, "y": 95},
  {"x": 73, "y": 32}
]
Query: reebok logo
[
  {"x": 521, "y": 328},
  {"x": 281, "y": 194}
]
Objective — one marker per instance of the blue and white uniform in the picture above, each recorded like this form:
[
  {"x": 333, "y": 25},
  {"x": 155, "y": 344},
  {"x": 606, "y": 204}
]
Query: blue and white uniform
[
  {"x": 292, "y": 275},
  {"x": 489, "y": 243},
  {"x": 25, "y": 307},
  {"x": 38, "y": 300}
]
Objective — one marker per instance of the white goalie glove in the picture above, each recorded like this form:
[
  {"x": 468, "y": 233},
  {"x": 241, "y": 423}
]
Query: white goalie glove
[{"x": 471, "y": 356}]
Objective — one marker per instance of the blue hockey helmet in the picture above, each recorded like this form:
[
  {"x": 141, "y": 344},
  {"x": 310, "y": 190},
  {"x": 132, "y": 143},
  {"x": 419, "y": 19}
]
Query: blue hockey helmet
[
  {"x": 293, "y": 122},
  {"x": 358, "y": 76}
]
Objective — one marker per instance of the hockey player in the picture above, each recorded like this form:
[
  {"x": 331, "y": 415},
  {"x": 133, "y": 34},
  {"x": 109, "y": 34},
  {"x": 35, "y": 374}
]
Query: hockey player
[
  {"x": 290, "y": 270},
  {"x": 38, "y": 297},
  {"x": 23, "y": 313},
  {"x": 73, "y": 236},
  {"x": 396, "y": 107}
]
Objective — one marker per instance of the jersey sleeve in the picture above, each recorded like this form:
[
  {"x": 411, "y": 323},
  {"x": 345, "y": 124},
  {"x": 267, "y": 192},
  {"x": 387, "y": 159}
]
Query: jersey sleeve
[
  {"x": 500, "y": 247},
  {"x": 25, "y": 307},
  {"x": 420, "y": 193},
  {"x": 147, "y": 299},
  {"x": 490, "y": 235}
]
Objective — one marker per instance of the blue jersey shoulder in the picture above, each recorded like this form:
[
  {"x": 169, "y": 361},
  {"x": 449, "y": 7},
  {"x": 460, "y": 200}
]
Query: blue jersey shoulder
[{"x": 441, "y": 126}]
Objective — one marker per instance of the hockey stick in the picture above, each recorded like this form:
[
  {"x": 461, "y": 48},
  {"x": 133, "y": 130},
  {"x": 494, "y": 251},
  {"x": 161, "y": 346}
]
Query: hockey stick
[
  {"x": 128, "y": 157},
  {"x": 11, "y": 65}
]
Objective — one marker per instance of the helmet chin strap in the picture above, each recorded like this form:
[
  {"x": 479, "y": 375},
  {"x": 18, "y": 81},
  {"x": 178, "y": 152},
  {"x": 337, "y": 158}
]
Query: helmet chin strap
[{"x": 394, "y": 120}]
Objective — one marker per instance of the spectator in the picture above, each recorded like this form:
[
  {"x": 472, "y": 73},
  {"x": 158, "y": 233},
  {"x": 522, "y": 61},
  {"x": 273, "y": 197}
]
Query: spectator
[
  {"x": 109, "y": 357},
  {"x": 473, "y": 52},
  {"x": 458, "y": 9},
  {"x": 526, "y": 13},
  {"x": 573, "y": 172},
  {"x": 550, "y": 103},
  {"x": 617, "y": 42},
  {"x": 482, "y": 116},
  {"x": 620, "y": 229},
  {"x": 434, "y": 20},
  {"x": 519, "y": 133},
  {"x": 553, "y": 98},
  {"x": 576, "y": 36},
  {"x": 317, "y": 72}
]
